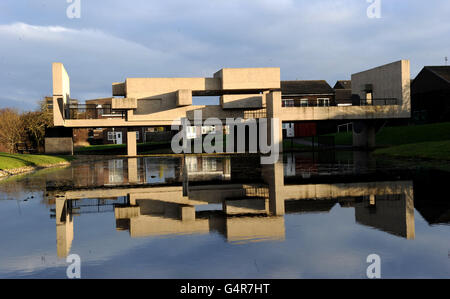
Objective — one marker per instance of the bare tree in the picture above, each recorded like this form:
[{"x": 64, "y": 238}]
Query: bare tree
[
  {"x": 35, "y": 124},
  {"x": 34, "y": 127},
  {"x": 11, "y": 129},
  {"x": 28, "y": 127}
]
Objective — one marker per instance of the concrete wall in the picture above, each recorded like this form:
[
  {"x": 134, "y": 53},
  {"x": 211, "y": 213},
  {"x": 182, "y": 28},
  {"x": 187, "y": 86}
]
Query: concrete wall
[
  {"x": 392, "y": 215},
  {"x": 61, "y": 92},
  {"x": 123, "y": 103},
  {"x": 388, "y": 81},
  {"x": 59, "y": 145},
  {"x": 244, "y": 101},
  {"x": 249, "y": 78},
  {"x": 159, "y": 94}
]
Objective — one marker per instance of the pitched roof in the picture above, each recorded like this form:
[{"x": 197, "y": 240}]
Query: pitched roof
[
  {"x": 343, "y": 84},
  {"x": 305, "y": 87},
  {"x": 343, "y": 94},
  {"x": 441, "y": 71}
]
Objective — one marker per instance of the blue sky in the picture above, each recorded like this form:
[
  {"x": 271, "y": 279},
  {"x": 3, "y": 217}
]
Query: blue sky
[{"x": 114, "y": 39}]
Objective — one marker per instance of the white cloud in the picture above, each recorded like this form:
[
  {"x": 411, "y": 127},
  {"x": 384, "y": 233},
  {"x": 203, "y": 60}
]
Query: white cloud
[
  {"x": 328, "y": 39},
  {"x": 94, "y": 60}
]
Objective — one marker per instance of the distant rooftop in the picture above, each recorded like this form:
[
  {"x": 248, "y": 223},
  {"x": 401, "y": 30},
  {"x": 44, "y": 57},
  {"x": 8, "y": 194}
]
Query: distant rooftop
[
  {"x": 343, "y": 84},
  {"x": 441, "y": 71},
  {"x": 305, "y": 87}
]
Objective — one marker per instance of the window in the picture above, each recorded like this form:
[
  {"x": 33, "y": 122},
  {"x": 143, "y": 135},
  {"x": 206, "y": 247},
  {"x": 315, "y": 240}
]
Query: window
[
  {"x": 111, "y": 136},
  {"x": 288, "y": 103},
  {"x": 191, "y": 163},
  {"x": 323, "y": 102},
  {"x": 191, "y": 132},
  {"x": 115, "y": 169},
  {"x": 304, "y": 103},
  {"x": 137, "y": 135},
  {"x": 369, "y": 98},
  {"x": 209, "y": 164}
]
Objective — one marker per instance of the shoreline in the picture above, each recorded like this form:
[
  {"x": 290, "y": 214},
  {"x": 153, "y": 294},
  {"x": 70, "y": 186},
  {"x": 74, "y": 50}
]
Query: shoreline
[{"x": 7, "y": 173}]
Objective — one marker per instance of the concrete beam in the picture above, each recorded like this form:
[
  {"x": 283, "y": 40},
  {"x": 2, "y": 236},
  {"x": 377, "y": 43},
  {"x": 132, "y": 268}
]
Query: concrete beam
[
  {"x": 124, "y": 103},
  {"x": 243, "y": 101},
  {"x": 184, "y": 97}
]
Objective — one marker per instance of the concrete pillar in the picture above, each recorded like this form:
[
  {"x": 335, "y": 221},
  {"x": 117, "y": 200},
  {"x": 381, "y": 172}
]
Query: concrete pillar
[
  {"x": 131, "y": 144},
  {"x": 132, "y": 170},
  {"x": 126, "y": 212},
  {"x": 364, "y": 134},
  {"x": 273, "y": 102},
  {"x": 58, "y": 145},
  {"x": 273, "y": 175},
  {"x": 132, "y": 199},
  {"x": 187, "y": 213},
  {"x": 64, "y": 228}
]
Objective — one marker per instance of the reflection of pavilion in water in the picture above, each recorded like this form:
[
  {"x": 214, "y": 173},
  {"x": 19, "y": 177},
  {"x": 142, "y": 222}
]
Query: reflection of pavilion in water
[
  {"x": 310, "y": 164},
  {"x": 249, "y": 211},
  {"x": 149, "y": 170}
]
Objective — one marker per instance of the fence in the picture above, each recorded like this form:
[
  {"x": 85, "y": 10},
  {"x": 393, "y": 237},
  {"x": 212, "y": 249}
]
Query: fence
[
  {"x": 379, "y": 102},
  {"x": 92, "y": 111},
  {"x": 328, "y": 103}
]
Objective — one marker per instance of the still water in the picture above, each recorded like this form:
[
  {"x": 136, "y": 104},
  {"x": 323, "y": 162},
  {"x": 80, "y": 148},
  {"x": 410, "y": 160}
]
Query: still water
[{"x": 308, "y": 216}]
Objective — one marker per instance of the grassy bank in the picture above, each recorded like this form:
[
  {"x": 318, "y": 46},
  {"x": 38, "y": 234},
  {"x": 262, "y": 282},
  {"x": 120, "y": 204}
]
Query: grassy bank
[
  {"x": 12, "y": 161},
  {"x": 439, "y": 150},
  {"x": 392, "y": 136},
  {"x": 430, "y": 141}
]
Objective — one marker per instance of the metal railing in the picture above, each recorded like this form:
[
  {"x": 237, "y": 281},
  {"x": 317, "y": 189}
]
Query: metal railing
[
  {"x": 379, "y": 102},
  {"x": 92, "y": 111},
  {"x": 255, "y": 114},
  {"x": 307, "y": 103},
  {"x": 327, "y": 103},
  {"x": 348, "y": 127}
]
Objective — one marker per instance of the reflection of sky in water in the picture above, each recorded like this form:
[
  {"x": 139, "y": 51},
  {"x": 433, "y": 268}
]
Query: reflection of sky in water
[
  {"x": 326, "y": 244},
  {"x": 316, "y": 245}
]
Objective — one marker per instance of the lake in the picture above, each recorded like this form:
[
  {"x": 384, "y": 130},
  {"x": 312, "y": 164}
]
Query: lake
[{"x": 311, "y": 215}]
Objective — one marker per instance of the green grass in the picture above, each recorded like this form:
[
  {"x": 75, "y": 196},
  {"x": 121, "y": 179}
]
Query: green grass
[
  {"x": 392, "y": 136},
  {"x": 343, "y": 138},
  {"x": 10, "y": 161},
  {"x": 438, "y": 150},
  {"x": 288, "y": 145}
]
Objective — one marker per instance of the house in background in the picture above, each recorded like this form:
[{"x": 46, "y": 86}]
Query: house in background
[
  {"x": 343, "y": 84},
  {"x": 343, "y": 92},
  {"x": 430, "y": 94},
  {"x": 305, "y": 93}
]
